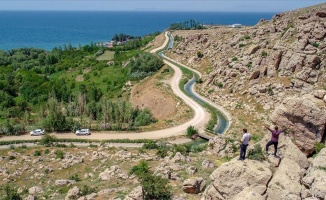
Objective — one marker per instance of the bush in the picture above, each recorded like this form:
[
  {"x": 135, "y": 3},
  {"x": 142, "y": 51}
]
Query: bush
[
  {"x": 162, "y": 152},
  {"x": 200, "y": 54},
  {"x": 191, "y": 131},
  {"x": 86, "y": 190},
  {"x": 319, "y": 147},
  {"x": 37, "y": 153},
  {"x": 59, "y": 154},
  {"x": 140, "y": 169},
  {"x": 144, "y": 118},
  {"x": 256, "y": 153},
  {"x": 234, "y": 59},
  {"x": 47, "y": 140},
  {"x": 182, "y": 148},
  {"x": 10, "y": 193},
  {"x": 150, "y": 145},
  {"x": 315, "y": 44},
  {"x": 154, "y": 187},
  {"x": 74, "y": 177},
  {"x": 264, "y": 54},
  {"x": 11, "y": 157},
  {"x": 219, "y": 84},
  {"x": 47, "y": 151}
]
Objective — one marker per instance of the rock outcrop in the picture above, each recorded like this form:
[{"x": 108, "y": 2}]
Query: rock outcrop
[
  {"x": 194, "y": 185},
  {"x": 233, "y": 177},
  {"x": 305, "y": 118}
]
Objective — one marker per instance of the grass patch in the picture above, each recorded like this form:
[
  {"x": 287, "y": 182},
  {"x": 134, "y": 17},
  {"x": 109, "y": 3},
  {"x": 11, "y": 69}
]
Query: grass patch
[{"x": 107, "y": 55}]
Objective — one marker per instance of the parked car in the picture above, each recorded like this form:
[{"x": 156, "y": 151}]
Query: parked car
[
  {"x": 83, "y": 132},
  {"x": 37, "y": 132}
]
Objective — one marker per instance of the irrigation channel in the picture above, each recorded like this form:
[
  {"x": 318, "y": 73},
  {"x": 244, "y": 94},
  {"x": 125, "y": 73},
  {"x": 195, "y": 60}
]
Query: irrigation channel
[{"x": 222, "y": 120}]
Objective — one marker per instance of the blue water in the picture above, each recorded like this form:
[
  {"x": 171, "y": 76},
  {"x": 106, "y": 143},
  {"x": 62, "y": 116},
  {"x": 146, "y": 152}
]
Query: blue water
[{"x": 49, "y": 29}]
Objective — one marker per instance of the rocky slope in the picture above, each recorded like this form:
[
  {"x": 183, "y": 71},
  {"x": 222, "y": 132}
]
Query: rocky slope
[{"x": 250, "y": 70}]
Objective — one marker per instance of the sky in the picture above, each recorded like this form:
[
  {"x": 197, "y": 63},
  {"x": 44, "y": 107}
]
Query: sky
[{"x": 159, "y": 5}]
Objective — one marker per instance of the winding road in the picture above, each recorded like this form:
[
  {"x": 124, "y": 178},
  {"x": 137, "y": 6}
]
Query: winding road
[{"x": 201, "y": 116}]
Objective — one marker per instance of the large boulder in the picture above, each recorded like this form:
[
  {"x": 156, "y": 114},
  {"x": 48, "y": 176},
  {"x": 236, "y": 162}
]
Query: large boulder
[
  {"x": 135, "y": 194},
  {"x": 73, "y": 193},
  {"x": 305, "y": 118},
  {"x": 194, "y": 185},
  {"x": 248, "y": 194},
  {"x": 233, "y": 177},
  {"x": 315, "y": 179},
  {"x": 285, "y": 183}
]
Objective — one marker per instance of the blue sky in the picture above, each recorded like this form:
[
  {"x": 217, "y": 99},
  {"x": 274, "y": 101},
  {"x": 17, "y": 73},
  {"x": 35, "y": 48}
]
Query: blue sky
[{"x": 159, "y": 5}]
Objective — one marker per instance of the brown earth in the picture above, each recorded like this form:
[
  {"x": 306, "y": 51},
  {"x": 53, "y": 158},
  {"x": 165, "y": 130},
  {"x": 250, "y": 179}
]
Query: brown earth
[{"x": 155, "y": 94}]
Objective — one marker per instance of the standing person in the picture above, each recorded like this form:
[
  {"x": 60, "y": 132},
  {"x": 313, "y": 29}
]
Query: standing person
[
  {"x": 244, "y": 144},
  {"x": 274, "y": 140}
]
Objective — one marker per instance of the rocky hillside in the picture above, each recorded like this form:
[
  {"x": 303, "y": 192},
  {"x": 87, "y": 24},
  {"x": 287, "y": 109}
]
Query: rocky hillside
[{"x": 250, "y": 70}]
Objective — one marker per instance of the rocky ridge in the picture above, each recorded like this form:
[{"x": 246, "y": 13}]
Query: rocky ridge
[{"x": 251, "y": 70}]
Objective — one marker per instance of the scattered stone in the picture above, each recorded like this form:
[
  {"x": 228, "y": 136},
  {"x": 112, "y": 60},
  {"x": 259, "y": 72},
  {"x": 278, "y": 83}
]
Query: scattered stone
[
  {"x": 73, "y": 193},
  {"x": 194, "y": 185}
]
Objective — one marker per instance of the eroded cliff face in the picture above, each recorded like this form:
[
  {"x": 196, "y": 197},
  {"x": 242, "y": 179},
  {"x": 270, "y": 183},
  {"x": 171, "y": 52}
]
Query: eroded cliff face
[{"x": 251, "y": 70}]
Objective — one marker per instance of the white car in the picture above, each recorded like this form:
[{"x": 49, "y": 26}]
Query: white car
[
  {"x": 37, "y": 132},
  {"x": 83, "y": 132}
]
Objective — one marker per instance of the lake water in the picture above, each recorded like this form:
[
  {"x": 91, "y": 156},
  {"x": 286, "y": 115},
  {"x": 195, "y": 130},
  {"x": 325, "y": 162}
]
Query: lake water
[{"x": 49, "y": 29}]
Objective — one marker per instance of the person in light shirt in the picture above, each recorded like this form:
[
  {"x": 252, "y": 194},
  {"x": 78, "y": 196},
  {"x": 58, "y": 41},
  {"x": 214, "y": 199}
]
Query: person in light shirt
[{"x": 244, "y": 144}]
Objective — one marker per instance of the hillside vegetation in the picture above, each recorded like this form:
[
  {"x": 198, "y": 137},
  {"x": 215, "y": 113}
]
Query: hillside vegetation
[{"x": 68, "y": 87}]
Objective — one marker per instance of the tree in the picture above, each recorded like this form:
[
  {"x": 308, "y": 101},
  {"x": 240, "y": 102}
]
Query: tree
[{"x": 154, "y": 187}]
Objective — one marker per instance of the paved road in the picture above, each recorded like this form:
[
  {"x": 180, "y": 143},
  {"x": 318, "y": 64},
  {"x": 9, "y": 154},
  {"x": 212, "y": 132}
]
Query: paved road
[{"x": 201, "y": 117}]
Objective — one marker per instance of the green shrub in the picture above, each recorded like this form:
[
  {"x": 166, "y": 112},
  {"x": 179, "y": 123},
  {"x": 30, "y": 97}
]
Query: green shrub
[
  {"x": 199, "y": 81},
  {"x": 23, "y": 146},
  {"x": 249, "y": 65},
  {"x": 86, "y": 190},
  {"x": 210, "y": 91},
  {"x": 10, "y": 193},
  {"x": 47, "y": 140},
  {"x": 59, "y": 154},
  {"x": 12, "y": 147},
  {"x": 191, "y": 131},
  {"x": 162, "y": 152},
  {"x": 315, "y": 44},
  {"x": 156, "y": 187},
  {"x": 256, "y": 138},
  {"x": 74, "y": 177},
  {"x": 241, "y": 45},
  {"x": 234, "y": 59},
  {"x": 246, "y": 37},
  {"x": 150, "y": 145},
  {"x": 182, "y": 148},
  {"x": 47, "y": 151},
  {"x": 256, "y": 153},
  {"x": 145, "y": 117},
  {"x": 200, "y": 54},
  {"x": 37, "y": 153},
  {"x": 270, "y": 91},
  {"x": 219, "y": 84},
  {"x": 318, "y": 147},
  {"x": 11, "y": 157},
  {"x": 264, "y": 54},
  {"x": 239, "y": 105},
  {"x": 140, "y": 169}
]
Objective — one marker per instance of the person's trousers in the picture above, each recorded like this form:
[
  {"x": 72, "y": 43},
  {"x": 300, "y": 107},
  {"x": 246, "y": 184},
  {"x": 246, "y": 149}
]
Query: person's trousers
[
  {"x": 243, "y": 149},
  {"x": 272, "y": 143}
]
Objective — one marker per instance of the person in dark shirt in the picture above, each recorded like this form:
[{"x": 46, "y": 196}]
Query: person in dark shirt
[{"x": 274, "y": 140}]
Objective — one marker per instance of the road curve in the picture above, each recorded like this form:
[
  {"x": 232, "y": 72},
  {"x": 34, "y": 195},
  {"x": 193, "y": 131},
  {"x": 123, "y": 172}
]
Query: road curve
[{"x": 201, "y": 116}]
